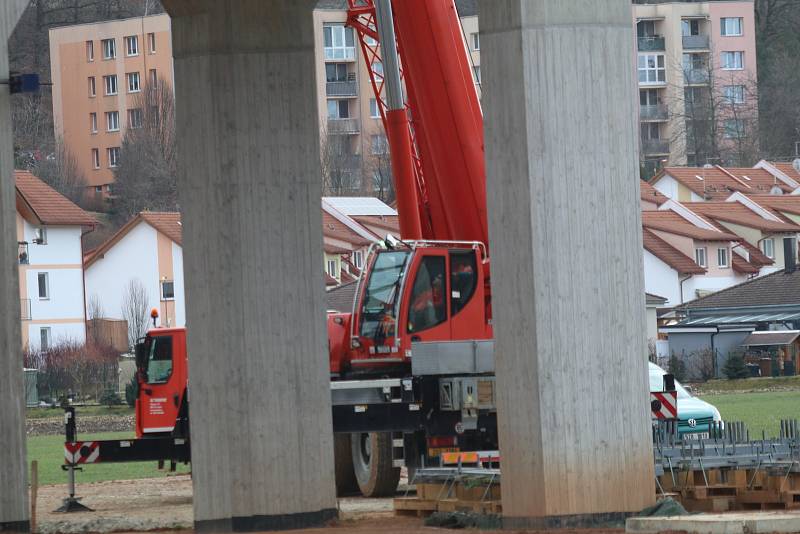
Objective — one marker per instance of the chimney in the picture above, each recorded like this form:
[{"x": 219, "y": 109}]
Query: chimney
[{"x": 789, "y": 254}]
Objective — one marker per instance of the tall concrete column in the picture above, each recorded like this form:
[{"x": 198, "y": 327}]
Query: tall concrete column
[
  {"x": 249, "y": 183},
  {"x": 568, "y": 293},
  {"x": 14, "y": 515}
]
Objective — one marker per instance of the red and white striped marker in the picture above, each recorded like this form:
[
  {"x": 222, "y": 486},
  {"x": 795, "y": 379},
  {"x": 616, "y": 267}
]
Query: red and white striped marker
[
  {"x": 82, "y": 452},
  {"x": 664, "y": 404}
]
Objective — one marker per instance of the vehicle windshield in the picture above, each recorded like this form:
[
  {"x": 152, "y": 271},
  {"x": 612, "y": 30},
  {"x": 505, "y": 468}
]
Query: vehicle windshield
[{"x": 379, "y": 309}]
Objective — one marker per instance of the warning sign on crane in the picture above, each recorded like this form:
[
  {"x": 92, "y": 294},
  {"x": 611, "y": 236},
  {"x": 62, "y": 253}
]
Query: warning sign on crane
[{"x": 664, "y": 404}]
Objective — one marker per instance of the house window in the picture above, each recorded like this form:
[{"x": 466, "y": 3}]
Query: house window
[
  {"x": 112, "y": 121},
  {"x": 650, "y": 131},
  {"x": 135, "y": 118},
  {"x": 700, "y": 256},
  {"x": 108, "y": 188},
  {"x": 378, "y": 144},
  {"x": 690, "y": 27},
  {"x": 167, "y": 290},
  {"x": 92, "y": 88},
  {"x": 476, "y": 72},
  {"x": 358, "y": 258},
  {"x": 733, "y": 60},
  {"x": 768, "y": 248},
  {"x": 89, "y": 50},
  {"x": 151, "y": 41},
  {"x": 476, "y": 41},
  {"x": 369, "y": 41},
  {"x": 93, "y": 122},
  {"x": 731, "y": 26},
  {"x": 331, "y": 268},
  {"x": 113, "y": 156},
  {"x": 153, "y": 76},
  {"x": 374, "y": 112},
  {"x": 40, "y": 235},
  {"x": 377, "y": 68},
  {"x": 133, "y": 82},
  {"x": 95, "y": 158},
  {"x": 652, "y": 69},
  {"x": 734, "y": 94},
  {"x": 44, "y": 286},
  {"x": 44, "y": 338},
  {"x": 98, "y": 189},
  {"x": 132, "y": 45},
  {"x": 722, "y": 257},
  {"x": 338, "y": 109},
  {"x": 111, "y": 84},
  {"x": 733, "y": 129},
  {"x": 649, "y": 97},
  {"x": 109, "y": 49},
  {"x": 339, "y": 42},
  {"x": 336, "y": 72}
]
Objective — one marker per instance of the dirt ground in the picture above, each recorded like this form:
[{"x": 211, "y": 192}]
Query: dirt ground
[{"x": 165, "y": 504}]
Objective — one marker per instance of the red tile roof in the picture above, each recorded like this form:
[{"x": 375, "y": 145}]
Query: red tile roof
[
  {"x": 781, "y": 203},
  {"x": 391, "y": 223},
  {"x": 669, "y": 221},
  {"x": 669, "y": 254},
  {"x": 737, "y": 213},
  {"x": 330, "y": 281},
  {"x": 788, "y": 170},
  {"x": 717, "y": 183},
  {"x": 757, "y": 257},
  {"x": 333, "y": 249},
  {"x": 37, "y": 199},
  {"x": 168, "y": 223},
  {"x": 334, "y": 228},
  {"x": 740, "y": 265},
  {"x": 650, "y": 193}
]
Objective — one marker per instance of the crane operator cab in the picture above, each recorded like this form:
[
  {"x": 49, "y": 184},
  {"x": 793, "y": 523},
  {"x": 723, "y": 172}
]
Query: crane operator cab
[{"x": 414, "y": 292}]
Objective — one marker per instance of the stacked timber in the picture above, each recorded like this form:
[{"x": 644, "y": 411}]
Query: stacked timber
[{"x": 454, "y": 491}]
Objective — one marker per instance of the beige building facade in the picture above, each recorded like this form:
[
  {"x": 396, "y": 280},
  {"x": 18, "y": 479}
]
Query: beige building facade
[{"x": 99, "y": 71}]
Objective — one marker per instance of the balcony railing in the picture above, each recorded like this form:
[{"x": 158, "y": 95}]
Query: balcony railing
[
  {"x": 655, "y": 146},
  {"x": 22, "y": 253},
  {"x": 340, "y": 52},
  {"x": 651, "y": 44},
  {"x": 25, "y": 309},
  {"x": 653, "y": 113},
  {"x": 346, "y": 88},
  {"x": 695, "y": 76},
  {"x": 344, "y": 126},
  {"x": 695, "y": 42}
]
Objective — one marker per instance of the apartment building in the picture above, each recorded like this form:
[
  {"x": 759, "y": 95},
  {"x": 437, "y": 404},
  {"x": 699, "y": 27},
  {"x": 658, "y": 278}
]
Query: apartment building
[
  {"x": 99, "y": 71},
  {"x": 687, "y": 54},
  {"x": 49, "y": 229}
]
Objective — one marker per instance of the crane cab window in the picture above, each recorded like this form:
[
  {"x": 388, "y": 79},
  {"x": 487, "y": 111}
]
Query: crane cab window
[
  {"x": 159, "y": 360},
  {"x": 463, "y": 278},
  {"x": 428, "y": 306}
]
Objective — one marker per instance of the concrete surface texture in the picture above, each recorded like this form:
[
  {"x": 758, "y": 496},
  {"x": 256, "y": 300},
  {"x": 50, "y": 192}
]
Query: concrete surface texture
[
  {"x": 13, "y": 475},
  {"x": 568, "y": 296},
  {"x": 730, "y": 523},
  {"x": 248, "y": 139}
]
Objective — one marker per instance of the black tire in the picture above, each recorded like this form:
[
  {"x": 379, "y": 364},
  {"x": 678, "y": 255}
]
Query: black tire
[
  {"x": 372, "y": 464},
  {"x": 346, "y": 483}
]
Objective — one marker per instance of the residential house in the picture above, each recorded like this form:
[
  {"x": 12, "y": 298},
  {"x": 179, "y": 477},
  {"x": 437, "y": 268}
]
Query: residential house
[
  {"x": 651, "y": 198},
  {"x": 785, "y": 172},
  {"x": 700, "y": 184},
  {"x": 51, "y": 284},
  {"x": 146, "y": 251}
]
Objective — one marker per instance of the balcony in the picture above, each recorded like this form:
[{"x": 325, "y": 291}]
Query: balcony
[
  {"x": 695, "y": 76},
  {"x": 695, "y": 42},
  {"x": 346, "y": 88},
  {"x": 655, "y": 146},
  {"x": 344, "y": 126},
  {"x": 25, "y": 309},
  {"x": 22, "y": 253},
  {"x": 339, "y": 53},
  {"x": 653, "y": 113},
  {"x": 654, "y": 43}
]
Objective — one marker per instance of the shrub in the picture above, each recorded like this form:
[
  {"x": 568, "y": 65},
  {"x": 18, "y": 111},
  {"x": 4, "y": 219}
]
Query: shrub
[
  {"x": 110, "y": 398},
  {"x": 700, "y": 365},
  {"x": 735, "y": 367},
  {"x": 677, "y": 368},
  {"x": 131, "y": 392}
]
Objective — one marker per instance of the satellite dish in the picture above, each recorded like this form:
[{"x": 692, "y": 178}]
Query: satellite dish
[{"x": 796, "y": 164}]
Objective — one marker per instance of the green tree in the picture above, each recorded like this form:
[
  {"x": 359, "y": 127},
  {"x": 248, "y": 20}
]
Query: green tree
[
  {"x": 735, "y": 367},
  {"x": 677, "y": 368}
]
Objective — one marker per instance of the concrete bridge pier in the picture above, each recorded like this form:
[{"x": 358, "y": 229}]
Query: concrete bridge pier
[
  {"x": 248, "y": 139},
  {"x": 14, "y": 511},
  {"x": 568, "y": 292}
]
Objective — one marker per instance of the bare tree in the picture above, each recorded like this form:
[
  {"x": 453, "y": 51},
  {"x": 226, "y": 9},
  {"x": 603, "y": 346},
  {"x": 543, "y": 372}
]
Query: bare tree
[
  {"x": 341, "y": 175},
  {"x": 60, "y": 171},
  {"x": 380, "y": 166},
  {"x": 94, "y": 310},
  {"x": 146, "y": 177},
  {"x": 135, "y": 310}
]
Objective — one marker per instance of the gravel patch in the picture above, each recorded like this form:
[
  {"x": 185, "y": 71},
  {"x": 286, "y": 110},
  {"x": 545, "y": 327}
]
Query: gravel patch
[{"x": 90, "y": 424}]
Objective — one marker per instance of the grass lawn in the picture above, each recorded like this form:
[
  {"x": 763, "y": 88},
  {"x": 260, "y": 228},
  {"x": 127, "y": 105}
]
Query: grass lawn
[
  {"x": 748, "y": 384},
  {"x": 49, "y": 452},
  {"x": 45, "y": 413},
  {"x": 758, "y": 410}
]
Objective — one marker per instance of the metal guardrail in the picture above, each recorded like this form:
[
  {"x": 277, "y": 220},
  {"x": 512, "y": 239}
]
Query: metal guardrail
[
  {"x": 344, "y": 88},
  {"x": 650, "y": 113},
  {"x": 650, "y": 44},
  {"x": 695, "y": 42},
  {"x": 655, "y": 146},
  {"x": 344, "y": 126},
  {"x": 695, "y": 76}
]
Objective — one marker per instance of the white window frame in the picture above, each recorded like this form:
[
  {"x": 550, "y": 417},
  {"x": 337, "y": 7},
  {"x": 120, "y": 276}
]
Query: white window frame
[
  {"x": 132, "y": 123},
  {"x": 40, "y": 235},
  {"x": 92, "y": 86},
  {"x": 93, "y": 122},
  {"x": 108, "y": 82},
  {"x": 132, "y": 77},
  {"x": 723, "y": 26},
  {"x": 331, "y": 269},
  {"x": 46, "y": 277},
  {"x": 730, "y": 133},
  {"x": 378, "y": 144},
  {"x": 151, "y": 42},
  {"x": 341, "y": 50},
  {"x": 45, "y": 338},
  {"x": 131, "y": 51},
  {"x": 647, "y": 69},
  {"x": 734, "y": 94},
  {"x": 161, "y": 288},
  {"x": 98, "y": 189},
  {"x": 722, "y": 258},
  {"x": 95, "y": 158},
  {"x": 112, "y": 153},
  {"x": 109, "y": 48},
  {"x": 358, "y": 259},
  {"x": 89, "y": 51},
  {"x": 771, "y": 253},
  {"x": 476, "y": 41},
  {"x": 725, "y": 65},
  {"x": 476, "y": 73},
  {"x": 112, "y": 121},
  {"x": 701, "y": 253},
  {"x": 374, "y": 110}
]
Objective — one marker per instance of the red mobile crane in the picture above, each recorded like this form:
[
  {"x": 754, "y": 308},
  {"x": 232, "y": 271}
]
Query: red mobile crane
[{"x": 412, "y": 365}]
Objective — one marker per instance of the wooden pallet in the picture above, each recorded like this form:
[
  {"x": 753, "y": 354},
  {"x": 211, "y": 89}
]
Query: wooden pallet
[{"x": 414, "y": 506}]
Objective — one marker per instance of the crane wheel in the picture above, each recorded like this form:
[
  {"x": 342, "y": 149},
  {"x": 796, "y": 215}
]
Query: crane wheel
[
  {"x": 346, "y": 483},
  {"x": 372, "y": 464}
]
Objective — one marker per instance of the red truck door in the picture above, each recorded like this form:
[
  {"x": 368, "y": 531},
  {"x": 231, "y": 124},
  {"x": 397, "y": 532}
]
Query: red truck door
[
  {"x": 427, "y": 308},
  {"x": 162, "y": 387}
]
